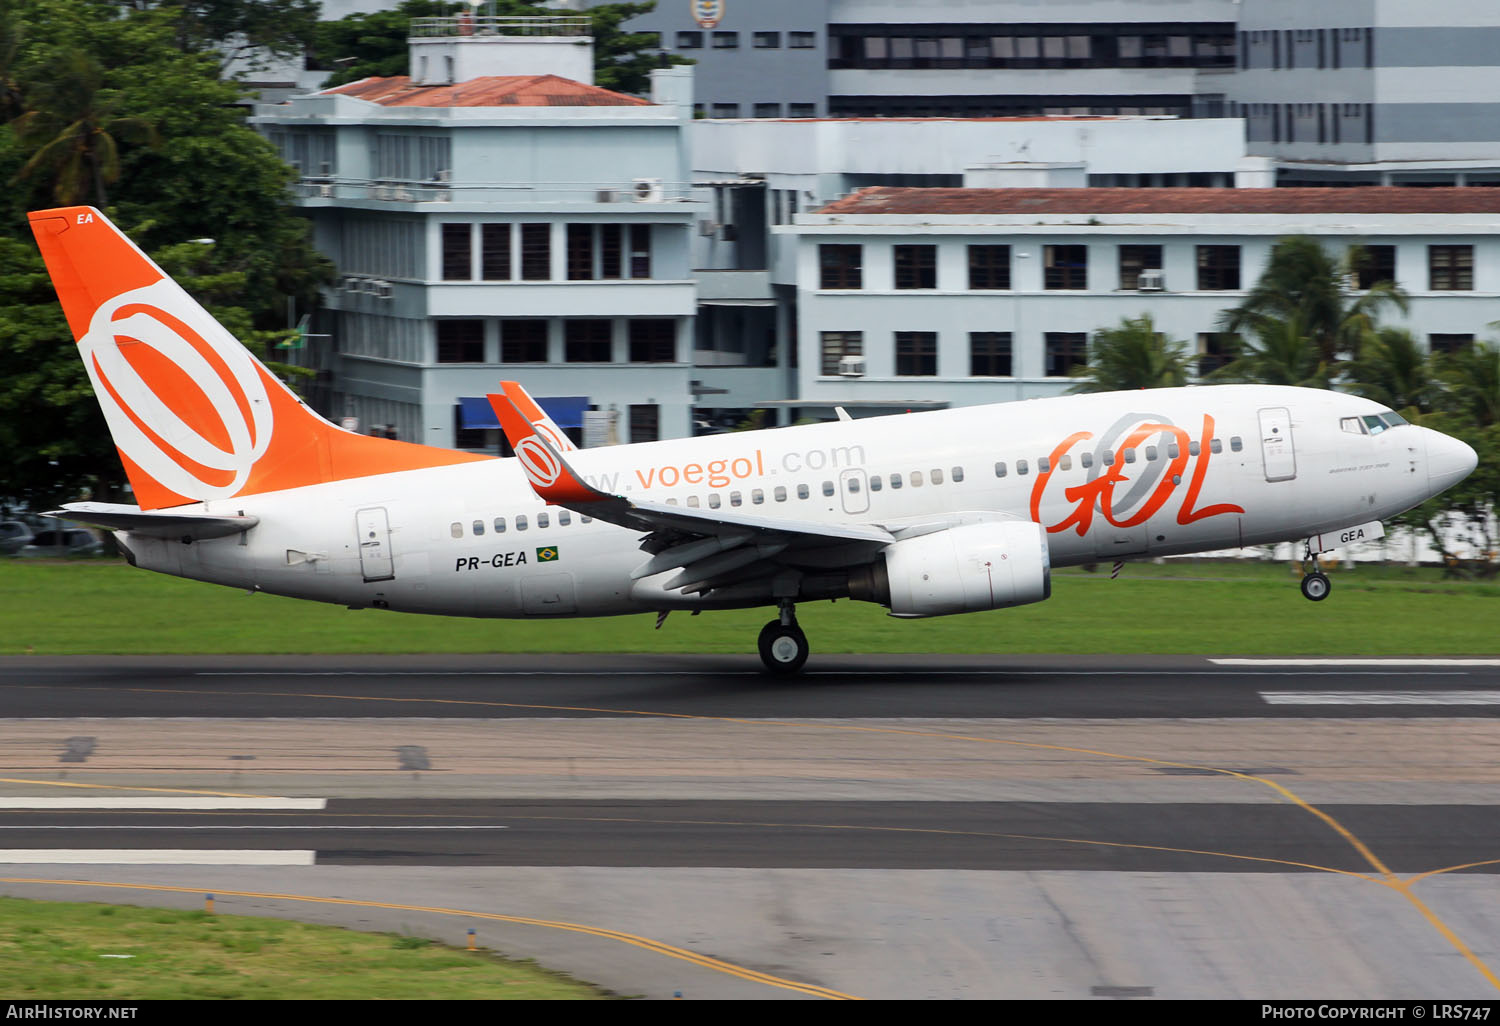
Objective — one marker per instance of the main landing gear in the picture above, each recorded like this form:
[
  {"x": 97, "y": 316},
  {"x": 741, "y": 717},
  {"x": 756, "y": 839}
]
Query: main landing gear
[
  {"x": 783, "y": 646},
  {"x": 1315, "y": 583}
]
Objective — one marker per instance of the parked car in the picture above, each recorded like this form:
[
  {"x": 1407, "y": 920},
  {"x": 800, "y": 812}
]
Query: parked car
[
  {"x": 71, "y": 541},
  {"x": 14, "y": 536}
]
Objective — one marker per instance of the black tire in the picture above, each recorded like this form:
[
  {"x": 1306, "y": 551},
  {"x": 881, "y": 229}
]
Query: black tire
[
  {"x": 1316, "y": 586},
  {"x": 783, "y": 649}
]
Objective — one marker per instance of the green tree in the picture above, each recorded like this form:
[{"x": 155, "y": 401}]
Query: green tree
[
  {"x": 1395, "y": 370},
  {"x": 1305, "y": 284},
  {"x": 1472, "y": 379},
  {"x": 1281, "y": 353},
  {"x": 1133, "y": 355}
]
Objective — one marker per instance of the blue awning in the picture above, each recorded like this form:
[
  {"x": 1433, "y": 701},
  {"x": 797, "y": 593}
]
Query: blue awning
[{"x": 566, "y": 411}]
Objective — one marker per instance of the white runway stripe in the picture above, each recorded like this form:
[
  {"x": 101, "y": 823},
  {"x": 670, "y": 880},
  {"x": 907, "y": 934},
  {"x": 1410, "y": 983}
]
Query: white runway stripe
[
  {"x": 1381, "y": 697},
  {"x": 153, "y": 857},
  {"x": 166, "y": 802},
  {"x": 1356, "y": 662}
]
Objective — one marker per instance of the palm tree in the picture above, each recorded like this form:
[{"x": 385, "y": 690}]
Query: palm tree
[
  {"x": 1303, "y": 280},
  {"x": 1282, "y": 354},
  {"x": 1473, "y": 378},
  {"x": 1392, "y": 368},
  {"x": 73, "y": 127},
  {"x": 1133, "y": 355}
]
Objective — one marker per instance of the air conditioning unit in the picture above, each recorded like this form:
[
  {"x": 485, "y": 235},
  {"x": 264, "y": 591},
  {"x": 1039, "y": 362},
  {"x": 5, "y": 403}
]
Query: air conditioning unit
[
  {"x": 649, "y": 190},
  {"x": 1150, "y": 281},
  {"x": 404, "y": 195},
  {"x": 325, "y": 190},
  {"x": 606, "y": 195},
  {"x": 353, "y": 283},
  {"x": 852, "y": 366},
  {"x": 382, "y": 289}
]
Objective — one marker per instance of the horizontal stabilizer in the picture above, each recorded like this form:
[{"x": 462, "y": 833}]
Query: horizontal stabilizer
[{"x": 113, "y": 517}]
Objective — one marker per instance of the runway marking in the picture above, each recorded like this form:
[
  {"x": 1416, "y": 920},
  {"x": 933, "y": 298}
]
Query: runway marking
[
  {"x": 1356, "y": 662},
  {"x": 1387, "y": 877},
  {"x": 1381, "y": 697},
  {"x": 131, "y": 787},
  {"x": 645, "y": 943},
  {"x": 155, "y": 857},
  {"x": 131, "y": 803}
]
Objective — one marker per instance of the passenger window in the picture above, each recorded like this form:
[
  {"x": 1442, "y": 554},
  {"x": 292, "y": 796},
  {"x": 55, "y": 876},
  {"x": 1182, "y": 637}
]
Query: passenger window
[
  {"x": 802, "y": 491},
  {"x": 564, "y": 518},
  {"x": 1021, "y": 467},
  {"x": 735, "y": 499},
  {"x": 916, "y": 479},
  {"x": 1216, "y": 446},
  {"x": 827, "y": 487},
  {"x": 713, "y": 501},
  {"x": 1151, "y": 453},
  {"x": 1192, "y": 448},
  {"x": 1065, "y": 463},
  {"x": 958, "y": 474},
  {"x": 671, "y": 502},
  {"x": 542, "y": 520},
  {"x": 478, "y": 528},
  {"x": 693, "y": 501},
  {"x": 1087, "y": 459},
  {"x": 1000, "y": 469},
  {"x": 1043, "y": 465},
  {"x": 757, "y": 497},
  {"x": 456, "y": 529},
  {"x": 521, "y": 522},
  {"x": 875, "y": 483},
  {"x": 1129, "y": 455},
  {"x": 937, "y": 475},
  {"x": 499, "y": 525},
  {"x": 1109, "y": 457},
  {"x": 1235, "y": 445},
  {"x": 895, "y": 480},
  {"x": 585, "y": 520},
  {"x": 1173, "y": 451},
  {"x": 853, "y": 485},
  {"x": 780, "y": 493}
]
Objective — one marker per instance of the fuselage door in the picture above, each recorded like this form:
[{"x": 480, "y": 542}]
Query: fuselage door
[
  {"x": 374, "y": 533},
  {"x": 1276, "y": 444},
  {"x": 854, "y": 487}
]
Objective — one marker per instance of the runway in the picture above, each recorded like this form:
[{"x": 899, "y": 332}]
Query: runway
[{"x": 892, "y": 827}]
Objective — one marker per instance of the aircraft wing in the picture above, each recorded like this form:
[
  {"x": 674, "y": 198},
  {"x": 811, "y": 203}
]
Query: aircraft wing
[
  {"x": 714, "y": 547},
  {"x": 115, "y": 517}
]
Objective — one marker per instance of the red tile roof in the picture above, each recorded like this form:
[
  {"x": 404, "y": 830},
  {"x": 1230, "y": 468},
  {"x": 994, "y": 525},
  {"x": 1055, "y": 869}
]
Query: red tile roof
[
  {"x": 1358, "y": 200},
  {"x": 487, "y": 91}
]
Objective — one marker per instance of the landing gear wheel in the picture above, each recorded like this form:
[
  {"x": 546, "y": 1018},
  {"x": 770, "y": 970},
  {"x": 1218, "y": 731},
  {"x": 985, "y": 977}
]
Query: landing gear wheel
[
  {"x": 783, "y": 648},
  {"x": 1316, "y": 586}
]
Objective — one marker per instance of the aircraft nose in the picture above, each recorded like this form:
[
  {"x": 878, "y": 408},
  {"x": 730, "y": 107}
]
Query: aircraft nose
[{"x": 1449, "y": 461}]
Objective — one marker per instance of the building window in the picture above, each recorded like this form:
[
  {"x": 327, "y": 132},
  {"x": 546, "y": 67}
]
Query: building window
[
  {"x": 726, "y": 110},
  {"x": 840, "y": 267},
  {"x": 494, "y": 251},
  {"x": 1134, "y": 260},
  {"x": 1450, "y": 268},
  {"x": 802, "y": 40},
  {"x": 587, "y": 340},
  {"x": 767, "y": 40},
  {"x": 580, "y": 252},
  {"x": 989, "y": 267},
  {"x": 1375, "y": 264},
  {"x": 989, "y": 354},
  {"x": 1449, "y": 343},
  {"x": 645, "y": 426},
  {"x": 768, "y": 110},
  {"x": 460, "y": 341},
  {"x": 801, "y": 110},
  {"x": 1066, "y": 350},
  {"x": 456, "y": 264},
  {"x": 1218, "y": 268},
  {"x": 689, "y": 40},
  {"x": 640, "y": 251},
  {"x": 1215, "y": 349},
  {"x": 916, "y": 353},
  {"x": 726, "y": 40},
  {"x": 916, "y": 267},
  {"x": 1066, "y": 267},
  {"x": 523, "y": 341},
  {"x": 536, "y": 252},
  {"x": 653, "y": 340},
  {"x": 610, "y": 236},
  {"x": 839, "y": 344}
]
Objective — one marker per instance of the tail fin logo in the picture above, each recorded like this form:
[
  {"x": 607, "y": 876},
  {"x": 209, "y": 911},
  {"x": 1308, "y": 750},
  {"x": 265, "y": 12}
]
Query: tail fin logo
[
  {"x": 541, "y": 466},
  {"x": 184, "y": 401}
]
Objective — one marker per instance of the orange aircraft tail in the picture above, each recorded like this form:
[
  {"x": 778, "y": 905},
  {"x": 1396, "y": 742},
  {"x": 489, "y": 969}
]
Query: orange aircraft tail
[{"x": 193, "y": 413}]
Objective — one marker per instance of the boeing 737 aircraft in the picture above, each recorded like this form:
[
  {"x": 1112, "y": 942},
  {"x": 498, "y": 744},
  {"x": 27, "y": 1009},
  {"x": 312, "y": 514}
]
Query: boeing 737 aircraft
[{"x": 953, "y": 511}]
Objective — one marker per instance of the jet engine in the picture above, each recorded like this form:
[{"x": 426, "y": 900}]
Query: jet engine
[{"x": 959, "y": 570}]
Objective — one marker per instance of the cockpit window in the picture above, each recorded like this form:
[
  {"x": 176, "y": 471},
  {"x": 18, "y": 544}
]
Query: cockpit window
[
  {"x": 1374, "y": 423},
  {"x": 1353, "y": 425},
  {"x": 1393, "y": 419}
]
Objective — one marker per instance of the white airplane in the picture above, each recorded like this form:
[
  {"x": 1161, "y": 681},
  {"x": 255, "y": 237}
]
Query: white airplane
[{"x": 953, "y": 511}]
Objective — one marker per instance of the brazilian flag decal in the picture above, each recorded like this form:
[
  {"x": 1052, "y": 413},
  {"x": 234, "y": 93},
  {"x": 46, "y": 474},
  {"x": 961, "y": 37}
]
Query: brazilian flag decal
[{"x": 547, "y": 555}]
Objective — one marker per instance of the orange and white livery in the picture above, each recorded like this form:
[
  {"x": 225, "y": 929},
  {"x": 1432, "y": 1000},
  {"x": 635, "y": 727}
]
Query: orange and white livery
[{"x": 928, "y": 514}]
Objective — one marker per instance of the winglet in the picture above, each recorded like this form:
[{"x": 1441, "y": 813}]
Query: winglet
[{"x": 550, "y": 476}]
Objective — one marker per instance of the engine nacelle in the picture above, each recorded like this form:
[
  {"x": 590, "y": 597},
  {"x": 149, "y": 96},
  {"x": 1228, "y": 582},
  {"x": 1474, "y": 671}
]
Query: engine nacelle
[{"x": 960, "y": 570}]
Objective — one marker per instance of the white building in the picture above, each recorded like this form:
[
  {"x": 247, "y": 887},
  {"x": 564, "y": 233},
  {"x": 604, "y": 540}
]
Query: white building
[
  {"x": 489, "y": 220},
  {"x": 965, "y": 296}
]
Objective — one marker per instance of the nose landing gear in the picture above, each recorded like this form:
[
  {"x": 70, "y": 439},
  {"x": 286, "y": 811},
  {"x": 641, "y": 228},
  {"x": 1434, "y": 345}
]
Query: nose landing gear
[
  {"x": 783, "y": 646},
  {"x": 1315, "y": 583}
]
